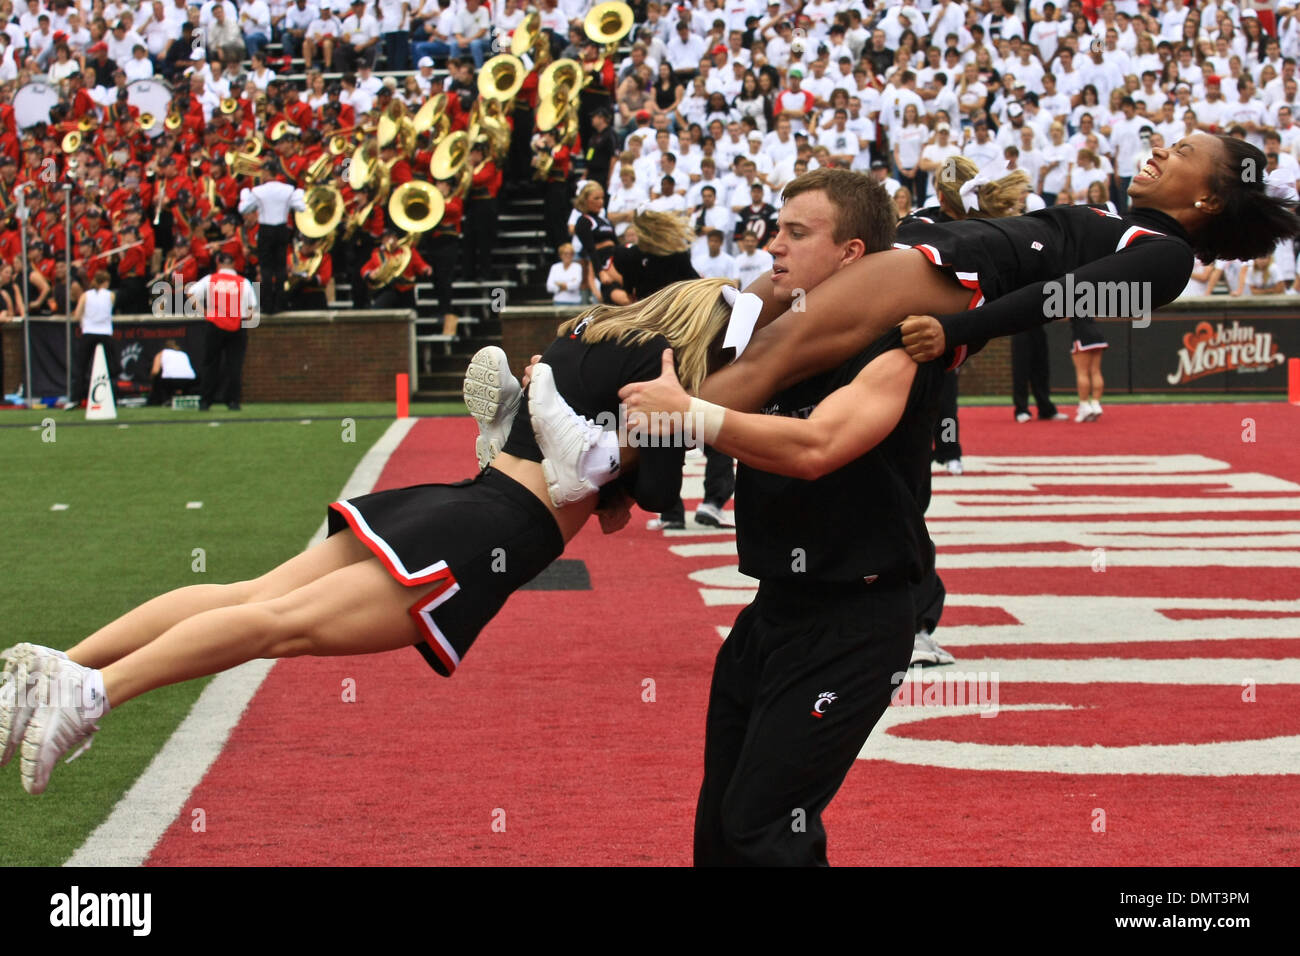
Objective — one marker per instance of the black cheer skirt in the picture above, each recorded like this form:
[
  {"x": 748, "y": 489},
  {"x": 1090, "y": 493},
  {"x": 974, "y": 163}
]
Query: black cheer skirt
[
  {"x": 480, "y": 540},
  {"x": 1086, "y": 335}
]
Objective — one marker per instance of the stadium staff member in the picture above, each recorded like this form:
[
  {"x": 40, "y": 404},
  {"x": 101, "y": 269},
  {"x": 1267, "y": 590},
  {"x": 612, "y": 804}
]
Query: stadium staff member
[
  {"x": 273, "y": 201},
  {"x": 227, "y": 299}
]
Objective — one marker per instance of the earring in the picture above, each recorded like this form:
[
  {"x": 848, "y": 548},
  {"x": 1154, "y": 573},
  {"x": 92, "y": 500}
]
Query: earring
[{"x": 1199, "y": 204}]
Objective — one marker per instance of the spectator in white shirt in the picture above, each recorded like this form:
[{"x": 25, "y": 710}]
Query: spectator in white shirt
[
  {"x": 669, "y": 199},
  {"x": 255, "y": 22},
  {"x": 139, "y": 67},
  {"x": 360, "y": 35},
  {"x": 751, "y": 261},
  {"x": 934, "y": 158},
  {"x": 222, "y": 36},
  {"x": 712, "y": 262},
  {"x": 473, "y": 35},
  {"x": 564, "y": 281},
  {"x": 684, "y": 52},
  {"x": 322, "y": 35},
  {"x": 298, "y": 18},
  {"x": 395, "y": 26}
]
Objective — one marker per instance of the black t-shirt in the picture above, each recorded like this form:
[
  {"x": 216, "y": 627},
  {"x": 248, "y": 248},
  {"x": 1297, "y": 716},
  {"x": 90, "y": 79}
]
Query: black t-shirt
[
  {"x": 761, "y": 222},
  {"x": 865, "y": 518},
  {"x": 644, "y": 274},
  {"x": 589, "y": 376}
]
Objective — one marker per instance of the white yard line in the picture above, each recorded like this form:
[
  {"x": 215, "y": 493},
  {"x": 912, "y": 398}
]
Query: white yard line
[{"x": 143, "y": 815}]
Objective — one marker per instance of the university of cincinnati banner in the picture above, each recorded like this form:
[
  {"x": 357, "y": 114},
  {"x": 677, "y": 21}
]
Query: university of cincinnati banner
[
  {"x": 137, "y": 344},
  {"x": 1189, "y": 352}
]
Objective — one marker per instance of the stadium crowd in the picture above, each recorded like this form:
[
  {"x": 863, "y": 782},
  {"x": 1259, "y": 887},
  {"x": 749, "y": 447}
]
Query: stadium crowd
[{"x": 707, "y": 109}]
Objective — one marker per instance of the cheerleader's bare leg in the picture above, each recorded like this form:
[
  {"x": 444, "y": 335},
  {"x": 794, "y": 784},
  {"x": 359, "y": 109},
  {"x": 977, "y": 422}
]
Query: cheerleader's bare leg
[
  {"x": 138, "y": 627},
  {"x": 357, "y": 609},
  {"x": 833, "y": 322},
  {"x": 1082, "y": 376}
]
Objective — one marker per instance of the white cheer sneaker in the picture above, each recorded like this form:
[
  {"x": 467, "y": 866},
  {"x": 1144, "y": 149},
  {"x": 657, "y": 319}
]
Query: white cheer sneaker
[
  {"x": 926, "y": 651},
  {"x": 65, "y": 715},
  {"x": 22, "y": 663},
  {"x": 492, "y": 395},
  {"x": 563, "y": 436}
]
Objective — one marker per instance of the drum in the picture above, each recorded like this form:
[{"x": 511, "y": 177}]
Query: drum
[
  {"x": 151, "y": 96},
  {"x": 32, "y": 103}
]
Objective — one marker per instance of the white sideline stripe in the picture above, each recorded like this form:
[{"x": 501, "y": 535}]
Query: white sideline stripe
[{"x": 143, "y": 815}]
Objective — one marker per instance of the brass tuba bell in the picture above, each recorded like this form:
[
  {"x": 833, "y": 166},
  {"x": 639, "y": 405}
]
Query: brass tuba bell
[
  {"x": 562, "y": 80},
  {"x": 526, "y": 34},
  {"x": 323, "y": 213},
  {"x": 450, "y": 157},
  {"x": 416, "y": 206},
  {"x": 500, "y": 78},
  {"x": 607, "y": 23}
]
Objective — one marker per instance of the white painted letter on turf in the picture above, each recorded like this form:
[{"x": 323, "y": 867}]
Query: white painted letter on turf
[
  {"x": 648, "y": 690},
  {"x": 349, "y": 690},
  {"x": 498, "y": 820}
]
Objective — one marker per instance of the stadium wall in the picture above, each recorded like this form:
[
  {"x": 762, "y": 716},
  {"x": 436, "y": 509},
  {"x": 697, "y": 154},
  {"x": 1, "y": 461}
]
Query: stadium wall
[{"x": 343, "y": 355}]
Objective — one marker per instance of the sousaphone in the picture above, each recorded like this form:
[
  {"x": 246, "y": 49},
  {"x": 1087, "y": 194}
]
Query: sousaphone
[
  {"x": 607, "y": 23},
  {"x": 323, "y": 213},
  {"x": 563, "y": 79},
  {"x": 526, "y": 35},
  {"x": 416, "y": 206},
  {"x": 500, "y": 78}
]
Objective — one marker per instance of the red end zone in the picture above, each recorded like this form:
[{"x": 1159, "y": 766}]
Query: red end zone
[{"x": 572, "y": 734}]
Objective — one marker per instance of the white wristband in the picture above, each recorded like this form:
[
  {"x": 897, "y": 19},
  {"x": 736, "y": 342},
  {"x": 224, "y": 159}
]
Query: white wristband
[{"x": 706, "y": 419}]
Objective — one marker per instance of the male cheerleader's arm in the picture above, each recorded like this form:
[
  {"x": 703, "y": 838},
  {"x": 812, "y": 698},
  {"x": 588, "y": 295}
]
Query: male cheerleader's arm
[
  {"x": 846, "y": 425},
  {"x": 1156, "y": 269}
]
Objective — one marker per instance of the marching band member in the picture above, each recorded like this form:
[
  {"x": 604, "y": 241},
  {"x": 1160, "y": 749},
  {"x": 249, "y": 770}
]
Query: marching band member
[
  {"x": 311, "y": 286},
  {"x": 442, "y": 246},
  {"x": 399, "y": 290},
  {"x": 481, "y": 212}
]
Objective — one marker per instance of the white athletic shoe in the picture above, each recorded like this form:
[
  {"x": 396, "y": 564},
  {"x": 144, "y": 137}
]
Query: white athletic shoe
[
  {"x": 64, "y": 718},
  {"x": 954, "y": 466},
  {"x": 564, "y": 437},
  {"x": 18, "y": 698},
  {"x": 1096, "y": 410},
  {"x": 1084, "y": 412},
  {"x": 712, "y": 516},
  {"x": 1022, "y": 417},
  {"x": 491, "y": 394},
  {"x": 926, "y": 651}
]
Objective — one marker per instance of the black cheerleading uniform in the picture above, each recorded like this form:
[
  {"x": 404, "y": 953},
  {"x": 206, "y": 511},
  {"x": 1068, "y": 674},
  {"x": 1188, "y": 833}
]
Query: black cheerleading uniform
[
  {"x": 484, "y": 538},
  {"x": 594, "y": 232},
  {"x": 1008, "y": 263},
  {"x": 644, "y": 274},
  {"x": 809, "y": 667},
  {"x": 1086, "y": 335}
]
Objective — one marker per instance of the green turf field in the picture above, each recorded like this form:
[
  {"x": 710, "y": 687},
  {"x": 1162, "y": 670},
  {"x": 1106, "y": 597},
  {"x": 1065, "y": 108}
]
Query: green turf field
[{"x": 126, "y": 536}]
